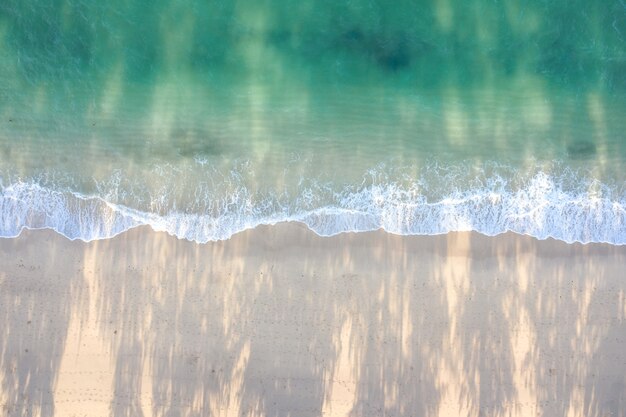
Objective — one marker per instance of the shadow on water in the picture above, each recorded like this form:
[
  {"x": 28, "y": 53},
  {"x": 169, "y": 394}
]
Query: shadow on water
[
  {"x": 133, "y": 75},
  {"x": 201, "y": 329},
  {"x": 450, "y": 325}
]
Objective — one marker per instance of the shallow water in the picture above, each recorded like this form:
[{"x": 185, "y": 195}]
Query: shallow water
[{"x": 203, "y": 119}]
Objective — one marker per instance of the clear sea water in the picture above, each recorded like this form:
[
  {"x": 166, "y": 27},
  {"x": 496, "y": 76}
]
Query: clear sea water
[{"x": 205, "y": 118}]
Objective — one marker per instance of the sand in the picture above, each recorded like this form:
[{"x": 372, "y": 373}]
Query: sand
[{"x": 280, "y": 322}]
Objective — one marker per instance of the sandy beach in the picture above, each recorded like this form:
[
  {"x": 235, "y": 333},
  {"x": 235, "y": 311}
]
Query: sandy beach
[{"x": 277, "y": 321}]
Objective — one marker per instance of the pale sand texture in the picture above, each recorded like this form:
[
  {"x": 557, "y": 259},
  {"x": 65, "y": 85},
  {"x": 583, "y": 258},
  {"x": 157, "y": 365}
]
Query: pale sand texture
[{"x": 280, "y": 322}]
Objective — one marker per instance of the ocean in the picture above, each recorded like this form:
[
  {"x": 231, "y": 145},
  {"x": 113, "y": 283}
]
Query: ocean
[{"x": 203, "y": 118}]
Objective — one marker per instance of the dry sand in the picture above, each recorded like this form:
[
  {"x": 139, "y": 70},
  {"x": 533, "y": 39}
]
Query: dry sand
[{"x": 280, "y": 322}]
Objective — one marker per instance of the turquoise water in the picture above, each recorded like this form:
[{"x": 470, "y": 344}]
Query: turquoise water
[{"x": 203, "y": 119}]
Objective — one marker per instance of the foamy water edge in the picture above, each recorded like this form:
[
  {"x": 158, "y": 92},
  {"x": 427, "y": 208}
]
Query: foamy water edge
[{"x": 541, "y": 209}]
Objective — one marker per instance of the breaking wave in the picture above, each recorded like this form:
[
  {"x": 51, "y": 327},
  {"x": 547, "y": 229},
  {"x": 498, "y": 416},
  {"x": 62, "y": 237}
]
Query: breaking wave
[{"x": 567, "y": 207}]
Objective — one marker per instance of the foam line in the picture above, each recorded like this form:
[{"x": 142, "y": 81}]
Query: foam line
[{"x": 539, "y": 207}]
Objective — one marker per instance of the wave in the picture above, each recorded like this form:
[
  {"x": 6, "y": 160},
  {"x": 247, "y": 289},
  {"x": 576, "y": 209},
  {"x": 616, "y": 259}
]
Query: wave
[{"x": 568, "y": 207}]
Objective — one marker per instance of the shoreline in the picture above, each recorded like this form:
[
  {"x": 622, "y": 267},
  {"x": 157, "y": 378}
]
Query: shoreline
[
  {"x": 301, "y": 224},
  {"x": 277, "y": 320}
]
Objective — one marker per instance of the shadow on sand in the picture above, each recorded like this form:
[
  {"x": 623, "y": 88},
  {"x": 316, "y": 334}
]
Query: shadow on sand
[{"x": 279, "y": 322}]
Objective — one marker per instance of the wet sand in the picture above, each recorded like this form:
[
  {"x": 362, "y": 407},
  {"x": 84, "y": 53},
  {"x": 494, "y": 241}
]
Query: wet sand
[{"x": 277, "y": 321}]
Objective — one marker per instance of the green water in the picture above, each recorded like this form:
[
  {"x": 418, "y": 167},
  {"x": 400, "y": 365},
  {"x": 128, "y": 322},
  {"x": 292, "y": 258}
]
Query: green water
[{"x": 276, "y": 110}]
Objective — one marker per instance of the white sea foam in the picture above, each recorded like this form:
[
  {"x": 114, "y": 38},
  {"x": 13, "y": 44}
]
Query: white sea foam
[{"x": 539, "y": 205}]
